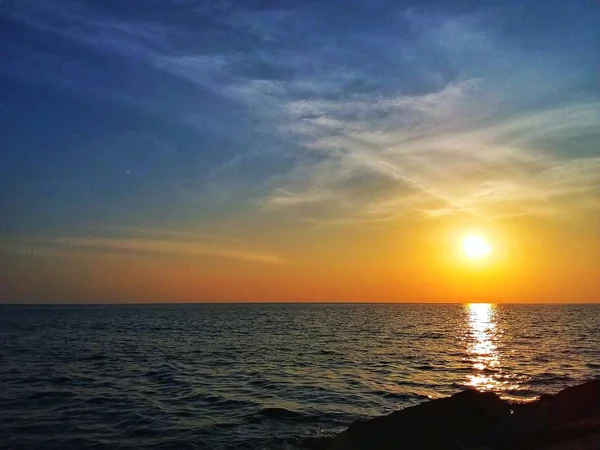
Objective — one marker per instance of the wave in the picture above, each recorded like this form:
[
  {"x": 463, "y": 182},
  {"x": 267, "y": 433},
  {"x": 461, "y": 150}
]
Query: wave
[
  {"x": 281, "y": 414},
  {"x": 231, "y": 378}
]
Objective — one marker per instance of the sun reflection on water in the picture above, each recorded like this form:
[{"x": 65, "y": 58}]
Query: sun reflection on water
[{"x": 482, "y": 346}]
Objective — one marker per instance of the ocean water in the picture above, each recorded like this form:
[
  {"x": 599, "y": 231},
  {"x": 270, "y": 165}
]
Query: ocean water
[{"x": 266, "y": 376}]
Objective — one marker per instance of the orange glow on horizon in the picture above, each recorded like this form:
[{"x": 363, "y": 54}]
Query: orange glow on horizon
[{"x": 405, "y": 263}]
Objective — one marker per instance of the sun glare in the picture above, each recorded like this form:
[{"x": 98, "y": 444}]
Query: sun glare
[{"x": 476, "y": 247}]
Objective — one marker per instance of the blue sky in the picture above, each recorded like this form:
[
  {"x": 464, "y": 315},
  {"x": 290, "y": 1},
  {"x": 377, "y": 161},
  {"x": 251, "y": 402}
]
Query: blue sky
[{"x": 199, "y": 116}]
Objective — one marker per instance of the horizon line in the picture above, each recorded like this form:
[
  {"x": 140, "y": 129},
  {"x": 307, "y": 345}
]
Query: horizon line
[{"x": 285, "y": 303}]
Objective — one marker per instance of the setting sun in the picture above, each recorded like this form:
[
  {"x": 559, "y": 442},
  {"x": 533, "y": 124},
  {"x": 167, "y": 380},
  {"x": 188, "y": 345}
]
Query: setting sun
[{"x": 476, "y": 247}]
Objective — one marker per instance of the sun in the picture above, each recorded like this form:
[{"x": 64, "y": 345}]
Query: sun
[{"x": 475, "y": 246}]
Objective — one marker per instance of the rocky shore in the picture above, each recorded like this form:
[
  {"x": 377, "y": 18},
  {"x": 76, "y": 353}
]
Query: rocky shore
[{"x": 471, "y": 420}]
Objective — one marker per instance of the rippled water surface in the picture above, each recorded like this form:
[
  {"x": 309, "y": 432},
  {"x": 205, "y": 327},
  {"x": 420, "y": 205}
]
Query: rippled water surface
[{"x": 266, "y": 376}]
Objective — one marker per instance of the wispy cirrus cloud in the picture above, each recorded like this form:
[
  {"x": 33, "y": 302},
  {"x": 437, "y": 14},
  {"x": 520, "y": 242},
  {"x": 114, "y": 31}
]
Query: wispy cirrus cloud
[
  {"x": 449, "y": 149},
  {"x": 444, "y": 148},
  {"x": 148, "y": 241},
  {"x": 387, "y": 110}
]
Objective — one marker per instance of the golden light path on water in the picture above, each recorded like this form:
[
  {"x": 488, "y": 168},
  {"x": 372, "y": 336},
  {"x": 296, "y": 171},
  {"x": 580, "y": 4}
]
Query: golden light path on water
[
  {"x": 483, "y": 337},
  {"x": 482, "y": 347}
]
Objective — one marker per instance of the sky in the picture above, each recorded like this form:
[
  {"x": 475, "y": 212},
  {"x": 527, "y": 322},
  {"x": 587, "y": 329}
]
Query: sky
[{"x": 187, "y": 150}]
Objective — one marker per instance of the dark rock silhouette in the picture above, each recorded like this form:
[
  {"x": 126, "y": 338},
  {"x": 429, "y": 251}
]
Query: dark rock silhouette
[
  {"x": 569, "y": 420},
  {"x": 566, "y": 420}
]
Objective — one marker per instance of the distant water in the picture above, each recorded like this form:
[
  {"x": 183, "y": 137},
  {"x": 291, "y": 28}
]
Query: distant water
[{"x": 266, "y": 376}]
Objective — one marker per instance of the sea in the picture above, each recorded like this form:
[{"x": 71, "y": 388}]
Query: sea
[{"x": 267, "y": 376}]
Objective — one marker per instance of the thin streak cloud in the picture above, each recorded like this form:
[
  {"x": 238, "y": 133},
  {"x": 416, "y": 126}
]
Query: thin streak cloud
[{"x": 174, "y": 247}]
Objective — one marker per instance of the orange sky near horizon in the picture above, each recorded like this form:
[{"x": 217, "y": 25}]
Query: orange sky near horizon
[{"x": 418, "y": 262}]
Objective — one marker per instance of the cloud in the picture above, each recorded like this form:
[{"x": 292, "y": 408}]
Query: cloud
[
  {"x": 449, "y": 146},
  {"x": 409, "y": 112},
  {"x": 151, "y": 241}
]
